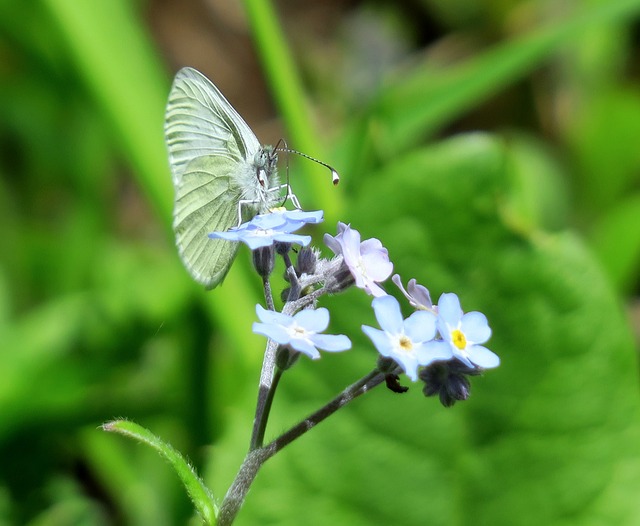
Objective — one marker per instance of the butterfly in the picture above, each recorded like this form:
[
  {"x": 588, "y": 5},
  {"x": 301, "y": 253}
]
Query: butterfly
[{"x": 221, "y": 174}]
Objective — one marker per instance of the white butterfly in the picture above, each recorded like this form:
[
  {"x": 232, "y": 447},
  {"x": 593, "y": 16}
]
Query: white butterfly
[{"x": 221, "y": 174}]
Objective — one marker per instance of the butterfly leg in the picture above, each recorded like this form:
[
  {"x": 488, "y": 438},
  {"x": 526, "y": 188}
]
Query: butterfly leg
[{"x": 288, "y": 195}]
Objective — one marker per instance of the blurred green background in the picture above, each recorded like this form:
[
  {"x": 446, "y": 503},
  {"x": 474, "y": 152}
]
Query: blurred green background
[{"x": 492, "y": 146}]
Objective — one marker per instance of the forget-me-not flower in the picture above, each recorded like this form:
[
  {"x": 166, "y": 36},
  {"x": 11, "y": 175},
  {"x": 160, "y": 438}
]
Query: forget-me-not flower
[
  {"x": 405, "y": 341},
  {"x": 463, "y": 333},
  {"x": 368, "y": 261},
  {"x": 301, "y": 331},
  {"x": 265, "y": 229}
]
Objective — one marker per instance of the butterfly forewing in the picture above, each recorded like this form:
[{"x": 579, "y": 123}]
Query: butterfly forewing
[
  {"x": 210, "y": 148},
  {"x": 199, "y": 121}
]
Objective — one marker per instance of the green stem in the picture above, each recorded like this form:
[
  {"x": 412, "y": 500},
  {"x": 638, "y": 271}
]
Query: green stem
[
  {"x": 234, "y": 498},
  {"x": 260, "y": 422}
]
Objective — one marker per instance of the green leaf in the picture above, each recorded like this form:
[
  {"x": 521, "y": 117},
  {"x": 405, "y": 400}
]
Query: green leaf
[
  {"x": 550, "y": 437},
  {"x": 198, "y": 492},
  {"x": 616, "y": 241}
]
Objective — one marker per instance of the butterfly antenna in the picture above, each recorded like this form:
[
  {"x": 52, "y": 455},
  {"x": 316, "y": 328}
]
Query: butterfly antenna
[{"x": 335, "y": 178}]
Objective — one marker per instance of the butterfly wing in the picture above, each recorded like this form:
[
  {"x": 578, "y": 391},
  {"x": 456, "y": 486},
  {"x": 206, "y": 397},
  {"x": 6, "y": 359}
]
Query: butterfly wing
[{"x": 210, "y": 147}]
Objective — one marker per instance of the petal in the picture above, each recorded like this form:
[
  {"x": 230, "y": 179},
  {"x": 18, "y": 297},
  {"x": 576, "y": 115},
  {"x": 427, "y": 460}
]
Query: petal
[
  {"x": 304, "y": 346},
  {"x": 408, "y": 364},
  {"x": 483, "y": 357},
  {"x": 449, "y": 309},
  {"x": 276, "y": 332},
  {"x": 420, "y": 295},
  {"x": 350, "y": 242},
  {"x": 229, "y": 236},
  {"x": 371, "y": 287},
  {"x": 462, "y": 357},
  {"x": 273, "y": 317},
  {"x": 331, "y": 342},
  {"x": 313, "y": 320},
  {"x": 293, "y": 238},
  {"x": 269, "y": 221},
  {"x": 380, "y": 340},
  {"x": 433, "y": 351},
  {"x": 372, "y": 245},
  {"x": 377, "y": 265},
  {"x": 305, "y": 217},
  {"x": 256, "y": 241},
  {"x": 420, "y": 326},
  {"x": 333, "y": 244},
  {"x": 475, "y": 327},
  {"x": 387, "y": 310}
]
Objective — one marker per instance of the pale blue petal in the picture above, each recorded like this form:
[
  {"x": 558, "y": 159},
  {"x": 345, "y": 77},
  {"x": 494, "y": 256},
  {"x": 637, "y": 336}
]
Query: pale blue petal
[
  {"x": 276, "y": 332},
  {"x": 434, "y": 351},
  {"x": 380, "y": 340},
  {"x": 461, "y": 356},
  {"x": 306, "y": 347},
  {"x": 387, "y": 310},
  {"x": 292, "y": 238},
  {"x": 273, "y": 317},
  {"x": 449, "y": 309},
  {"x": 420, "y": 326},
  {"x": 253, "y": 241},
  {"x": 475, "y": 327},
  {"x": 483, "y": 357},
  {"x": 229, "y": 236},
  {"x": 408, "y": 364},
  {"x": 269, "y": 221},
  {"x": 331, "y": 342},
  {"x": 313, "y": 320},
  {"x": 373, "y": 288},
  {"x": 315, "y": 216}
]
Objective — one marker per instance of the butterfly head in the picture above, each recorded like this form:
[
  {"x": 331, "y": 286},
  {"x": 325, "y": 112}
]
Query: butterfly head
[{"x": 265, "y": 163}]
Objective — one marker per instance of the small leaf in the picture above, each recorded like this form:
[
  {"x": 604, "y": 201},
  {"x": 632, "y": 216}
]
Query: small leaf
[{"x": 198, "y": 492}]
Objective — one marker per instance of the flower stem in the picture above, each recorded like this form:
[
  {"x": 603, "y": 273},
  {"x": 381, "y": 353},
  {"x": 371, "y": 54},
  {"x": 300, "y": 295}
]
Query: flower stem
[
  {"x": 265, "y": 401},
  {"x": 368, "y": 382},
  {"x": 247, "y": 473}
]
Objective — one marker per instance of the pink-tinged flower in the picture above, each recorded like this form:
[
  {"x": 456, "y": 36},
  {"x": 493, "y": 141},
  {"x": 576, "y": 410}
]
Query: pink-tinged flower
[{"x": 368, "y": 261}]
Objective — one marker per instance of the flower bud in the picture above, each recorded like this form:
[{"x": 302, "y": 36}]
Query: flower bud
[
  {"x": 340, "y": 280},
  {"x": 448, "y": 380},
  {"x": 306, "y": 262},
  {"x": 264, "y": 260}
]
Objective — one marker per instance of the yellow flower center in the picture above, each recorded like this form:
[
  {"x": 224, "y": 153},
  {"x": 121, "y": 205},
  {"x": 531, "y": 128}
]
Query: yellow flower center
[
  {"x": 457, "y": 336},
  {"x": 406, "y": 344}
]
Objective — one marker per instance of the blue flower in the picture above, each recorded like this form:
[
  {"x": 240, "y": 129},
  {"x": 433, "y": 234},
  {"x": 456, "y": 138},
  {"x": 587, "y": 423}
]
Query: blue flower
[
  {"x": 405, "y": 341},
  {"x": 463, "y": 333},
  {"x": 368, "y": 261},
  {"x": 300, "y": 331},
  {"x": 265, "y": 229}
]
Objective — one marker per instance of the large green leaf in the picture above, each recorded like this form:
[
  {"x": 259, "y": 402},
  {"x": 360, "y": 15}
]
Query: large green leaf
[{"x": 550, "y": 437}]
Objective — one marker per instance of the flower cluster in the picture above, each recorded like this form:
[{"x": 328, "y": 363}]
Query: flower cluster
[{"x": 438, "y": 344}]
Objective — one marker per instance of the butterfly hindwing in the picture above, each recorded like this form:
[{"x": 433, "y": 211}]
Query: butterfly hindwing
[{"x": 206, "y": 203}]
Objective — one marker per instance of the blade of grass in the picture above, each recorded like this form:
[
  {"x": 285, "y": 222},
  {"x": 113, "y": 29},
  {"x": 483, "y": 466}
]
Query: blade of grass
[
  {"x": 419, "y": 104},
  {"x": 287, "y": 90}
]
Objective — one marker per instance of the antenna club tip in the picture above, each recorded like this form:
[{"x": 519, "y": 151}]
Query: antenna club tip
[{"x": 335, "y": 177}]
